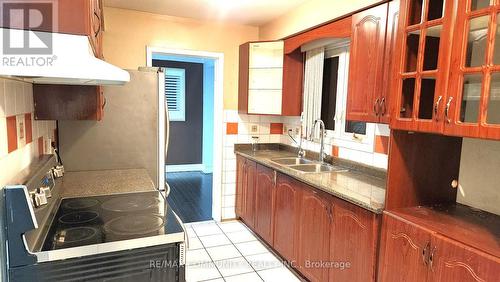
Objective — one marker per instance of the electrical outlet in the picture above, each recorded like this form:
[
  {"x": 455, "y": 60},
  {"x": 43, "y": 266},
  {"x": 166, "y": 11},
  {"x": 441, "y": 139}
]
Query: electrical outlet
[{"x": 254, "y": 128}]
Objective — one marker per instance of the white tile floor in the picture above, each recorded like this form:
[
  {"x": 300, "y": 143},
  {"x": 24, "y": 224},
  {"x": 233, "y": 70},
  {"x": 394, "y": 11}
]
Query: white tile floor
[{"x": 228, "y": 251}]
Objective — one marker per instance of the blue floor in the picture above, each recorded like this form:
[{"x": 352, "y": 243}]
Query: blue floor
[{"x": 191, "y": 195}]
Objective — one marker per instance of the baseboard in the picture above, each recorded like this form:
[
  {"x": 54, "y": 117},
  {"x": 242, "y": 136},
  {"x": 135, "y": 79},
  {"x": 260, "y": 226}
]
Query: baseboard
[{"x": 182, "y": 168}]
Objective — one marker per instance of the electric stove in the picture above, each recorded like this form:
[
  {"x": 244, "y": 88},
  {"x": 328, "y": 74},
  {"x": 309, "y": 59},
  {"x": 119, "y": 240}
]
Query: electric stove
[{"x": 111, "y": 218}]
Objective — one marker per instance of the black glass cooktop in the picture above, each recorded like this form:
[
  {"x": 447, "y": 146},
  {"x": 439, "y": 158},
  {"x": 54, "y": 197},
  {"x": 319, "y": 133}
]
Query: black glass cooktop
[{"x": 101, "y": 219}]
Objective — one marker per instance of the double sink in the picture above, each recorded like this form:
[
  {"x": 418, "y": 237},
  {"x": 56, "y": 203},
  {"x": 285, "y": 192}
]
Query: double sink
[{"x": 307, "y": 166}]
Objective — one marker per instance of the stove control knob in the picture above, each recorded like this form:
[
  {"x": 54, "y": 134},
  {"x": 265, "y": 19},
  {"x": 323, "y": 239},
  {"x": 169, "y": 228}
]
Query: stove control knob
[
  {"x": 46, "y": 190},
  {"x": 40, "y": 199}
]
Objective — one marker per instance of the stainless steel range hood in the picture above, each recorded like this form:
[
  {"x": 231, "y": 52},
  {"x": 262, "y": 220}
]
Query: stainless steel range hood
[{"x": 69, "y": 59}]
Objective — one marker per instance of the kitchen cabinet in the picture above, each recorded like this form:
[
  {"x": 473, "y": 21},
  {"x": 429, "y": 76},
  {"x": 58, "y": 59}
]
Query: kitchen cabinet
[
  {"x": 314, "y": 235},
  {"x": 365, "y": 101},
  {"x": 241, "y": 180},
  {"x": 245, "y": 190},
  {"x": 286, "y": 217},
  {"x": 404, "y": 251},
  {"x": 413, "y": 252},
  {"x": 473, "y": 104},
  {"x": 353, "y": 241},
  {"x": 451, "y": 261},
  {"x": 68, "y": 102},
  {"x": 323, "y": 237},
  {"x": 81, "y": 17},
  {"x": 264, "y": 198},
  {"x": 264, "y": 87},
  {"x": 385, "y": 109},
  {"x": 423, "y": 47}
]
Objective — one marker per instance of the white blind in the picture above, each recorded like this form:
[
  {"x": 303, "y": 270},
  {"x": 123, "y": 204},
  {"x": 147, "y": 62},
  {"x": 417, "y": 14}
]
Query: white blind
[{"x": 175, "y": 93}]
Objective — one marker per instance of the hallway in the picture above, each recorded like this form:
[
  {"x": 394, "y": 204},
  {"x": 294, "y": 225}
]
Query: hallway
[{"x": 191, "y": 195}]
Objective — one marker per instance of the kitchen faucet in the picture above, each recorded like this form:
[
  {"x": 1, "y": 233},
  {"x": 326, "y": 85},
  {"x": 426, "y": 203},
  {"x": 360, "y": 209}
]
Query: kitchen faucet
[
  {"x": 321, "y": 136},
  {"x": 301, "y": 153}
]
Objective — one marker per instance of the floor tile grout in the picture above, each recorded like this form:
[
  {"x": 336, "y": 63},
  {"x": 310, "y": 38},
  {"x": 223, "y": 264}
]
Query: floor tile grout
[{"x": 231, "y": 243}]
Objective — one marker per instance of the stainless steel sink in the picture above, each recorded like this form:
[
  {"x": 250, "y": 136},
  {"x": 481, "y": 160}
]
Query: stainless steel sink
[
  {"x": 318, "y": 168},
  {"x": 292, "y": 161}
]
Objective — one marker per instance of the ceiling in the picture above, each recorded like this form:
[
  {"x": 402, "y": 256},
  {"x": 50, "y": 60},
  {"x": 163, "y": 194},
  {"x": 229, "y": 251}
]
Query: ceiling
[{"x": 248, "y": 12}]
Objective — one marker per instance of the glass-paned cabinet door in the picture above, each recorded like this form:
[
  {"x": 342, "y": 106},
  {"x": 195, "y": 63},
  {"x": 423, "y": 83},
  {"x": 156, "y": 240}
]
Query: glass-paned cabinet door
[
  {"x": 473, "y": 106},
  {"x": 423, "y": 50}
]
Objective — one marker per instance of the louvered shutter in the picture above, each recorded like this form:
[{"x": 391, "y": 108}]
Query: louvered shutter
[{"x": 175, "y": 93}]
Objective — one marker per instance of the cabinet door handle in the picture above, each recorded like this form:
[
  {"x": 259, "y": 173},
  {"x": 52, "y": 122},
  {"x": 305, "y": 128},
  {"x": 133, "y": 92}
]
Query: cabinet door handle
[
  {"x": 383, "y": 106},
  {"x": 425, "y": 259},
  {"x": 99, "y": 27},
  {"x": 275, "y": 176},
  {"x": 431, "y": 257},
  {"x": 436, "y": 107},
  {"x": 104, "y": 103},
  {"x": 447, "y": 110},
  {"x": 376, "y": 107}
]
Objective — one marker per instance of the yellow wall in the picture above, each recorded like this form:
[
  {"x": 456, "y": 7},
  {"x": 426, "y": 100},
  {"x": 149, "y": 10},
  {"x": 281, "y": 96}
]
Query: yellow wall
[
  {"x": 309, "y": 14},
  {"x": 127, "y": 33}
]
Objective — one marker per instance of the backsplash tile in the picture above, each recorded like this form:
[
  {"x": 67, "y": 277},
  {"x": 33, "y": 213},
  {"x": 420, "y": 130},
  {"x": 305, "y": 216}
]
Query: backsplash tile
[
  {"x": 18, "y": 129},
  {"x": 240, "y": 128}
]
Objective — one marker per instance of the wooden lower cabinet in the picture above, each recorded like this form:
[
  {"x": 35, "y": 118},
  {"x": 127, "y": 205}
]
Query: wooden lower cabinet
[
  {"x": 241, "y": 180},
  {"x": 314, "y": 235},
  {"x": 412, "y": 253},
  {"x": 264, "y": 192},
  {"x": 452, "y": 261},
  {"x": 404, "y": 247},
  {"x": 245, "y": 190},
  {"x": 314, "y": 231},
  {"x": 353, "y": 243},
  {"x": 286, "y": 217}
]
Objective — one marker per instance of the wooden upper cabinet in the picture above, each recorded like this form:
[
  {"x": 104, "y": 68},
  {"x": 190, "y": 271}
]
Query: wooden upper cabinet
[
  {"x": 354, "y": 240},
  {"x": 452, "y": 261},
  {"x": 423, "y": 47},
  {"x": 404, "y": 251},
  {"x": 473, "y": 105},
  {"x": 81, "y": 17},
  {"x": 264, "y": 191},
  {"x": 286, "y": 217},
  {"x": 263, "y": 71},
  {"x": 366, "y": 65},
  {"x": 68, "y": 102},
  {"x": 385, "y": 109},
  {"x": 314, "y": 235}
]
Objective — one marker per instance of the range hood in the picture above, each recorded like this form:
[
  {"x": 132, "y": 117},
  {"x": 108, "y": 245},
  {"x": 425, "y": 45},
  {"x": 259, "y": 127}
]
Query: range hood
[{"x": 68, "y": 60}]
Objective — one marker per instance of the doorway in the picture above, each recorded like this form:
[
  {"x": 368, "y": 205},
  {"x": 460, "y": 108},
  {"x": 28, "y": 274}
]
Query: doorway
[{"x": 194, "y": 96}]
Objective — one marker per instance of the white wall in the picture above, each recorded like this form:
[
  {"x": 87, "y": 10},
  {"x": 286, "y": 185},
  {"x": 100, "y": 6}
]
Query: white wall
[{"x": 480, "y": 175}]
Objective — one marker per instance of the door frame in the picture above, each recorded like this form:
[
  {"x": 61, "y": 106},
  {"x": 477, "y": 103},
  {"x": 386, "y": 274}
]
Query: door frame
[{"x": 218, "y": 114}]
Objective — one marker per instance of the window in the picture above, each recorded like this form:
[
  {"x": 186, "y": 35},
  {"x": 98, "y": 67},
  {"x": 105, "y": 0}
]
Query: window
[
  {"x": 175, "y": 93},
  {"x": 340, "y": 131}
]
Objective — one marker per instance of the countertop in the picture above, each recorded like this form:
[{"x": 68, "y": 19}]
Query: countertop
[
  {"x": 104, "y": 182},
  {"x": 361, "y": 186}
]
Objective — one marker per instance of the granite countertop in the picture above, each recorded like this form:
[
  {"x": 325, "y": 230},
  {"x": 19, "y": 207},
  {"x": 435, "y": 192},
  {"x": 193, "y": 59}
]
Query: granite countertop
[
  {"x": 361, "y": 186},
  {"x": 104, "y": 182}
]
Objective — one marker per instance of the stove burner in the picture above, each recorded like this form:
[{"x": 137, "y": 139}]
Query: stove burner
[
  {"x": 128, "y": 204},
  {"x": 75, "y": 234},
  {"x": 78, "y": 204},
  {"x": 78, "y": 217},
  {"x": 134, "y": 224}
]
